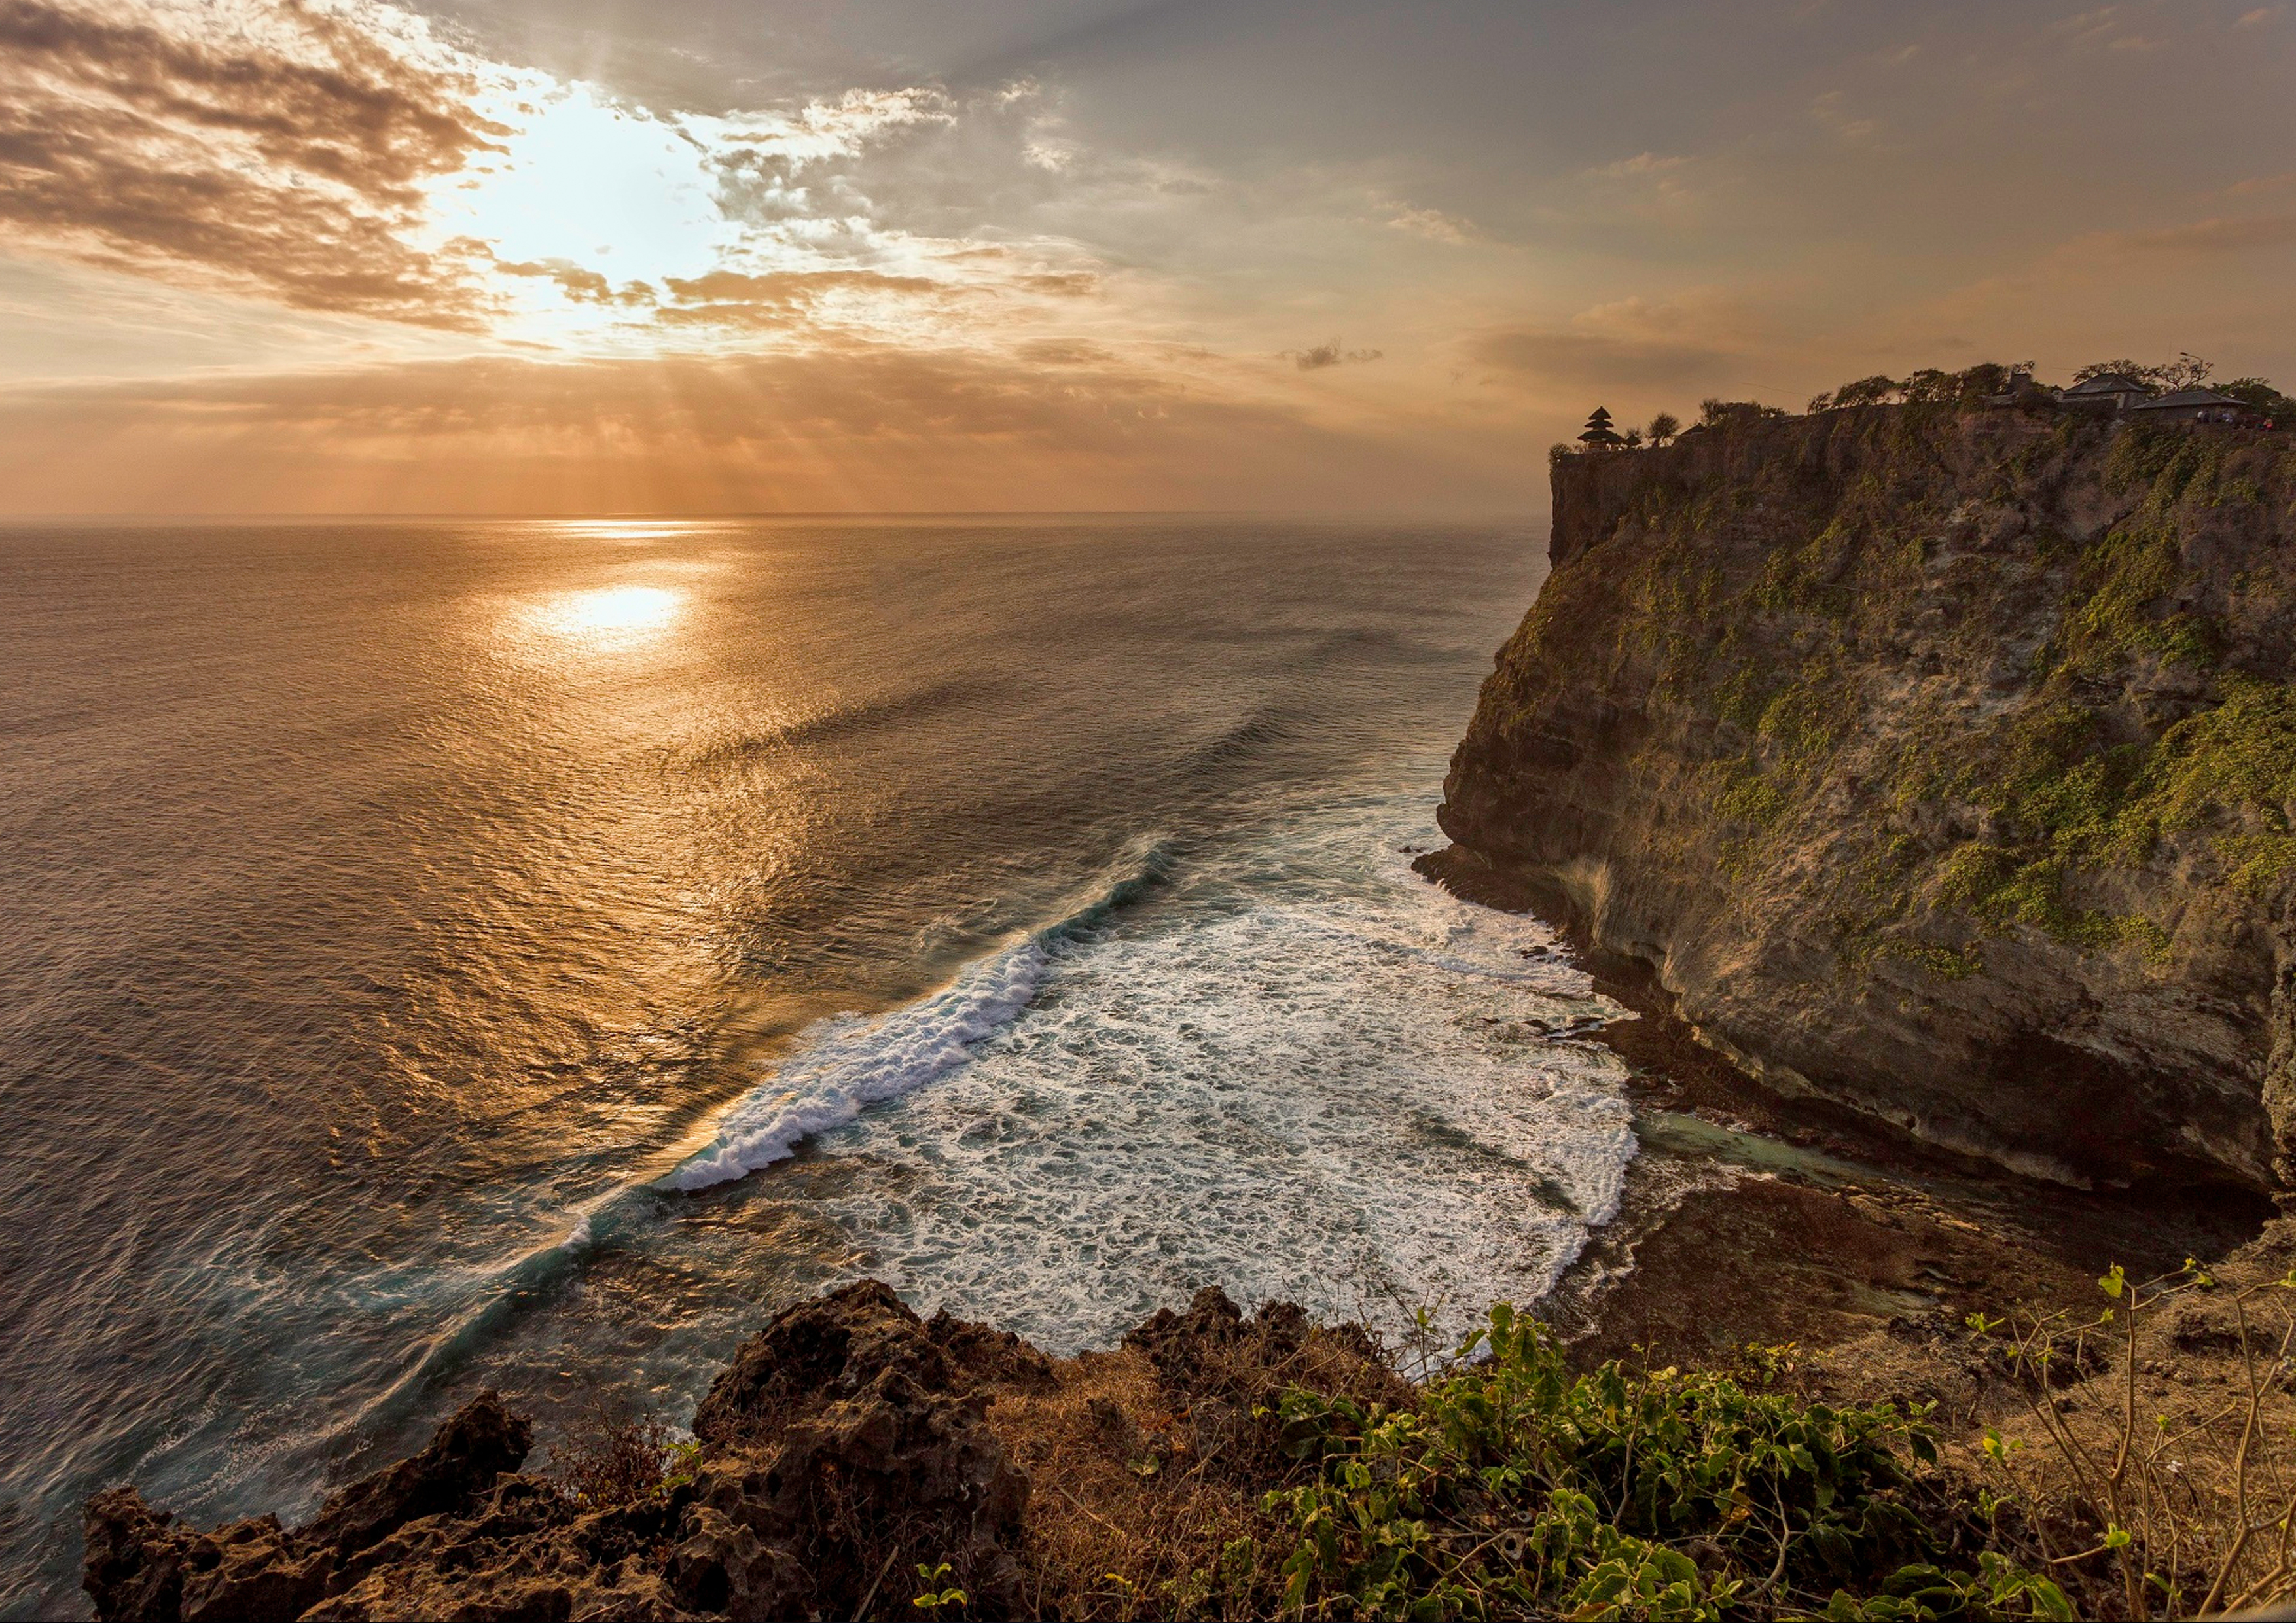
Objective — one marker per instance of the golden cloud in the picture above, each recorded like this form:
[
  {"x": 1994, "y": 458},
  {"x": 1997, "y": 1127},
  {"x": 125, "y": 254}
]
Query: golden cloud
[
  {"x": 284, "y": 157},
  {"x": 778, "y": 298},
  {"x": 868, "y": 427}
]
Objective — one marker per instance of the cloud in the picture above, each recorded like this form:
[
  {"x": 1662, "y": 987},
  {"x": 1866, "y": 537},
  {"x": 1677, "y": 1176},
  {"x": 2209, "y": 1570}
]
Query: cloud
[
  {"x": 1638, "y": 167},
  {"x": 579, "y": 284},
  {"x": 1831, "y": 110},
  {"x": 868, "y": 427},
  {"x": 1698, "y": 337},
  {"x": 1435, "y": 225},
  {"x": 1598, "y": 358},
  {"x": 2217, "y": 236},
  {"x": 275, "y": 149},
  {"x": 1328, "y": 354},
  {"x": 780, "y": 299}
]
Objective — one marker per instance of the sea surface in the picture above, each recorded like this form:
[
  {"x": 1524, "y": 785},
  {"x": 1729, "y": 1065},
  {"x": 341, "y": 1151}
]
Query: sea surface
[{"x": 436, "y": 955}]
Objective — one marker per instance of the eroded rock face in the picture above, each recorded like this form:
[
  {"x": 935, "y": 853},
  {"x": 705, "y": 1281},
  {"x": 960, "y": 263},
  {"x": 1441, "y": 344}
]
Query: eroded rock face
[
  {"x": 144, "y": 1563},
  {"x": 845, "y": 1443},
  {"x": 1936, "y": 764}
]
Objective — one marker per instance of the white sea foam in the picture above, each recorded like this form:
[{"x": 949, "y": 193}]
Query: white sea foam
[
  {"x": 1307, "y": 1073},
  {"x": 847, "y": 1063}
]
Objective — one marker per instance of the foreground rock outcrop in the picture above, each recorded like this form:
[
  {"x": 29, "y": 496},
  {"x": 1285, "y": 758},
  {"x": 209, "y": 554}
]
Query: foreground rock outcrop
[
  {"x": 844, "y": 1452},
  {"x": 1938, "y": 764}
]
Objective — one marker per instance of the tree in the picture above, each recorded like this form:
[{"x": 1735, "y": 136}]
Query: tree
[
  {"x": 1986, "y": 378},
  {"x": 1663, "y": 428},
  {"x": 1820, "y": 402},
  {"x": 2257, "y": 395},
  {"x": 1714, "y": 411},
  {"x": 1866, "y": 392},
  {"x": 1929, "y": 384},
  {"x": 2187, "y": 371},
  {"x": 1599, "y": 434}
]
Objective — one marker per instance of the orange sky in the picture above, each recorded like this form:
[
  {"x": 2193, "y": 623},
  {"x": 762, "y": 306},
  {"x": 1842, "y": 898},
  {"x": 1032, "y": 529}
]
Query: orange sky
[{"x": 694, "y": 256}]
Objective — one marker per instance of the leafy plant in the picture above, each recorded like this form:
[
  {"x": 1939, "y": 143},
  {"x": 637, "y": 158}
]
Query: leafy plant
[
  {"x": 1517, "y": 1488},
  {"x": 933, "y": 1601}
]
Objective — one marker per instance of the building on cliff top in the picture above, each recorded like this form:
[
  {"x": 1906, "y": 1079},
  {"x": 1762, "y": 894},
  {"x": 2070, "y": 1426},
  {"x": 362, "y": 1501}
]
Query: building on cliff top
[
  {"x": 2108, "y": 391},
  {"x": 2195, "y": 405},
  {"x": 2023, "y": 390}
]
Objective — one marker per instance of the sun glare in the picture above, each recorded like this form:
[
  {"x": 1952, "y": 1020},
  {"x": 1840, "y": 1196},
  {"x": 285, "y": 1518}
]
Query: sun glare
[{"x": 610, "y": 614}]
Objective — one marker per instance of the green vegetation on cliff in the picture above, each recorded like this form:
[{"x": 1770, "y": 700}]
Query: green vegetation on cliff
[
  {"x": 2125, "y": 727},
  {"x": 1517, "y": 1486},
  {"x": 1938, "y": 761}
]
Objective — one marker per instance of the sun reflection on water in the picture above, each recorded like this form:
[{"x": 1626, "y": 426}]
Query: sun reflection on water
[{"x": 609, "y": 616}]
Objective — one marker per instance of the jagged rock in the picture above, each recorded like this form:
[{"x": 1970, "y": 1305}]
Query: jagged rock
[
  {"x": 866, "y": 1446},
  {"x": 134, "y": 1562},
  {"x": 846, "y": 1443},
  {"x": 1230, "y": 1371},
  {"x": 143, "y": 1563},
  {"x": 481, "y": 1442}
]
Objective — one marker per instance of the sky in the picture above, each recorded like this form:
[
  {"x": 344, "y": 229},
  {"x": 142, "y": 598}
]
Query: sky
[{"x": 737, "y": 255}]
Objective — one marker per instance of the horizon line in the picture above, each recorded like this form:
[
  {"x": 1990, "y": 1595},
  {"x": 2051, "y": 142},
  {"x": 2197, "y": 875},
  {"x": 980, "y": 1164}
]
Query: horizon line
[{"x": 7, "y": 520}]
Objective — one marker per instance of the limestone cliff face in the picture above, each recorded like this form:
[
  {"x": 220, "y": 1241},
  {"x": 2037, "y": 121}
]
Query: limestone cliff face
[{"x": 1938, "y": 763}]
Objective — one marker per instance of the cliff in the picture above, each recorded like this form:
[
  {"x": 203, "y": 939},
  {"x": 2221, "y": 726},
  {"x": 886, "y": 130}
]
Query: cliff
[{"x": 1938, "y": 764}]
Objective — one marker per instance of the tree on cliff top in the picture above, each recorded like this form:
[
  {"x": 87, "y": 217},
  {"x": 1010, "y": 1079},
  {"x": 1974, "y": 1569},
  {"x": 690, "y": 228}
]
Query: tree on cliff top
[
  {"x": 1713, "y": 411},
  {"x": 1874, "y": 391},
  {"x": 1663, "y": 428},
  {"x": 2187, "y": 371},
  {"x": 2260, "y": 395},
  {"x": 1598, "y": 431}
]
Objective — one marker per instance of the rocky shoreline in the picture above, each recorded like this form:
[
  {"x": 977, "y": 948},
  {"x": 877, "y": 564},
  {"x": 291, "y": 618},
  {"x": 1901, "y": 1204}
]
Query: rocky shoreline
[
  {"x": 848, "y": 1453},
  {"x": 1753, "y": 1217},
  {"x": 853, "y": 1447}
]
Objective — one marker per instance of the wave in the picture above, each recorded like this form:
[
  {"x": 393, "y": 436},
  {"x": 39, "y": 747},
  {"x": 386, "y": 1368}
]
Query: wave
[
  {"x": 847, "y": 1062},
  {"x": 837, "y": 723}
]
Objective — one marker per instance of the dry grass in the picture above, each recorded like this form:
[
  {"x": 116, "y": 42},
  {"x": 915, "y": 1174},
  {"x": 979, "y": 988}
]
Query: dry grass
[
  {"x": 1150, "y": 1465},
  {"x": 607, "y": 1458},
  {"x": 1128, "y": 1517},
  {"x": 2163, "y": 1412},
  {"x": 2155, "y": 1463}
]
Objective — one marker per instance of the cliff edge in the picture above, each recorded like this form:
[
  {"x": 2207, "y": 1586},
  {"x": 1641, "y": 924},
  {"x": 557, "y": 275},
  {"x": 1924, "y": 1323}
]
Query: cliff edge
[{"x": 1937, "y": 763}]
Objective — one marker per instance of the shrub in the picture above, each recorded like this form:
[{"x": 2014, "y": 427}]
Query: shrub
[
  {"x": 2192, "y": 1516},
  {"x": 1516, "y": 1488},
  {"x": 605, "y": 1459}
]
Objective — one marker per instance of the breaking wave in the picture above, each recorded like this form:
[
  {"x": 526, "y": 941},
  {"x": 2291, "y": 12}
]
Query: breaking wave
[{"x": 849, "y": 1061}]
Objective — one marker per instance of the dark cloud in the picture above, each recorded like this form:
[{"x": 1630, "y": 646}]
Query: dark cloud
[
  {"x": 1598, "y": 358},
  {"x": 1328, "y": 355},
  {"x": 290, "y": 164}
]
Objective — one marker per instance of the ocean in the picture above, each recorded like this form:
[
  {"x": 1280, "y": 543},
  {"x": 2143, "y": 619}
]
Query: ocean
[{"x": 446, "y": 954}]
